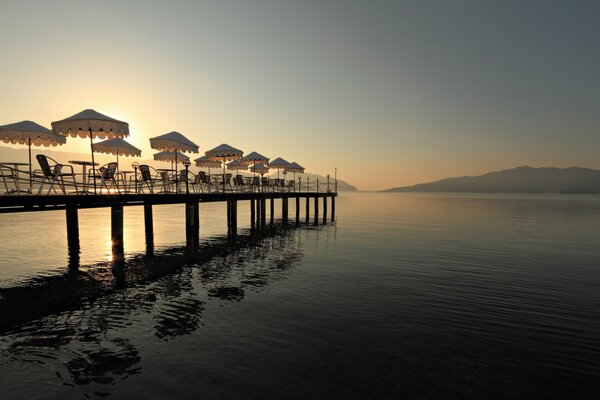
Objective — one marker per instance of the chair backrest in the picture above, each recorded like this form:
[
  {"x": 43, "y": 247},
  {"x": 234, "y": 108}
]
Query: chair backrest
[
  {"x": 256, "y": 180},
  {"x": 145, "y": 171},
  {"x": 45, "y": 165},
  {"x": 227, "y": 178},
  {"x": 203, "y": 177},
  {"x": 290, "y": 183},
  {"x": 108, "y": 171},
  {"x": 265, "y": 181},
  {"x": 239, "y": 180},
  {"x": 183, "y": 175}
]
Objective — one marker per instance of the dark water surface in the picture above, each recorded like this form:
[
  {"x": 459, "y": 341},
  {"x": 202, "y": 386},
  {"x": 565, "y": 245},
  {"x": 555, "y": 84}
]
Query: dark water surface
[{"x": 404, "y": 296}]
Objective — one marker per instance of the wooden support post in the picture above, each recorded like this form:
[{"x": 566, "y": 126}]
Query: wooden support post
[
  {"x": 228, "y": 216},
  {"x": 316, "y": 209},
  {"x": 325, "y": 209},
  {"x": 332, "y": 208},
  {"x": 307, "y": 209},
  {"x": 272, "y": 213},
  {"x": 116, "y": 232},
  {"x": 73, "y": 238},
  {"x": 297, "y": 210},
  {"x": 258, "y": 212},
  {"x": 233, "y": 212},
  {"x": 284, "y": 210},
  {"x": 192, "y": 225},
  {"x": 252, "y": 214},
  {"x": 263, "y": 210},
  {"x": 149, "y": 228}
]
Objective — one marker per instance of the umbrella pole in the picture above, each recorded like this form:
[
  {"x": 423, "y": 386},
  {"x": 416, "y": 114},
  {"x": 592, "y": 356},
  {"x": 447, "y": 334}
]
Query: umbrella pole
[
  {"x": 223, "y": 174},
  {"x": 93, "y": 160},
  {"x": 30, "y": 176},
  {"x": 176, "y": 177}
]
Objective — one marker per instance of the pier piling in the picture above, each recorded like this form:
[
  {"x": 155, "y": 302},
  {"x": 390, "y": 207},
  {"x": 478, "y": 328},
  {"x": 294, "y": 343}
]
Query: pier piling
[
  {"x": 284, "y": 210},
  {"x": 316, "y": 210},
  {"x": 332, "y": 208},
  {"x": 272, "y": 211},
  {"x": 116, "y": 232},
  {"x": 307, "y": 209},
  {"x": 297, "y": 210},
  {"x": 263, "y": 209},
  {"x": 73, "y": 238},
  {"x": 325, "y": 210},
  {"x": 233, "y": 217},
  {"x": 149, "y": 228},
  {"x": 252, "y": 214}
]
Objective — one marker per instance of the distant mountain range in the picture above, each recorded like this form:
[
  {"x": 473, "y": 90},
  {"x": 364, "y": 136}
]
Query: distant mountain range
[{"x": 517, "y": 180}]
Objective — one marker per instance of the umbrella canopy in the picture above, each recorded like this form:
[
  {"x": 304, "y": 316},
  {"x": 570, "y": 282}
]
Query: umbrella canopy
[
  {"x": 255, "y": 158},
  {"x": 224, "y": 153},
  {"x": 172, "y": 156},
  {"x": 30, "y": 133},
  {"x": 92, "y": 124},
  {"x": 259, "y": 169},
  {"x": 117, "y": 147},
  {"x": 278, "y": 163},
  {"x": 173, "y": 141},
  {"x": 237, "y": 165},
  {"x": 205, "y": 162},
  {"x": 295, "y": 168}
]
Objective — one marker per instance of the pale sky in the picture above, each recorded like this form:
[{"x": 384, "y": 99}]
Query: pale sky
[{"x": 391, "y": 93}]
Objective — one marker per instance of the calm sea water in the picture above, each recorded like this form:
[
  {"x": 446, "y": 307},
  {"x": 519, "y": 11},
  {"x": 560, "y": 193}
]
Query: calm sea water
[{"x": 404, "y": 296}]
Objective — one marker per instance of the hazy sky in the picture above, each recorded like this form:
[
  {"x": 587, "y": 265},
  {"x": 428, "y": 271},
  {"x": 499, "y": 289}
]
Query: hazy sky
[{"x": 390, "y": 92}]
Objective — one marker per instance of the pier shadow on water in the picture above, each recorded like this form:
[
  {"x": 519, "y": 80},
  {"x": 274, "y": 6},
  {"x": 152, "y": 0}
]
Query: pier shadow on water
[{"x": 84, "y": 324}]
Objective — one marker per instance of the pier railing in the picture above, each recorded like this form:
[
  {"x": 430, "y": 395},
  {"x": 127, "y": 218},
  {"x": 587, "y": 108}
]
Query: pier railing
[{"x": 16, "y": 181}]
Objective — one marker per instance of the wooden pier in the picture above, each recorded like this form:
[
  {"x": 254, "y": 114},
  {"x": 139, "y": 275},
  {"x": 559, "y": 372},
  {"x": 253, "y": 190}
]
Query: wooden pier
[{"x": 72, "y": 203}]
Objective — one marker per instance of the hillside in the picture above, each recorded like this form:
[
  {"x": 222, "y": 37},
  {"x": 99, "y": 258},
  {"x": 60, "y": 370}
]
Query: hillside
[{"x": 517, "y": 180}]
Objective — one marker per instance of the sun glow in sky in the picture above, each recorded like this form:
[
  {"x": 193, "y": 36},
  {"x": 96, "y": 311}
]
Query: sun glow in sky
[{"x": 390, "y": 92}]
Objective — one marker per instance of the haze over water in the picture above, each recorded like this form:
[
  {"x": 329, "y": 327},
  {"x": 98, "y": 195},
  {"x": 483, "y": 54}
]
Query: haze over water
[{"x": 404, "y": 296}]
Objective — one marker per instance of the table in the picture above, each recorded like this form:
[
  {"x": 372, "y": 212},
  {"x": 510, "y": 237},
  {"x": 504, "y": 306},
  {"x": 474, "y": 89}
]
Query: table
[
  {"x": 83, "y": 165},
  {"x": 15, "y": 175},
  {"x": 124, "y": 176}
]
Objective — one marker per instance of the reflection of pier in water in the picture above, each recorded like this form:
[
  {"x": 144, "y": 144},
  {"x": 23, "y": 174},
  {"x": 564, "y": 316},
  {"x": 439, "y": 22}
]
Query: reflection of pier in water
[{"x": 75, "y": 321}]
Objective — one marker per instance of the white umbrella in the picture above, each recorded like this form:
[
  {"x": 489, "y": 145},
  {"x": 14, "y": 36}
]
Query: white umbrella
[
  {"x": 28, "y": 132},
  {"x": 259, "y": 169},
  {"x": 92, "y": 124},
  {"x": 237, "y": 165},
  {"x": 278, "y": 163},
  {"x": 295, "y": 167},
  {"x": 173, "y": 141},
  {"x": 205, "y": 162},
  {"x": 254, "y": 158},
  {"x": 173, "y": 156},
  {"x": 117, "y": 147},
  {"x": 225, "y": 153}
]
